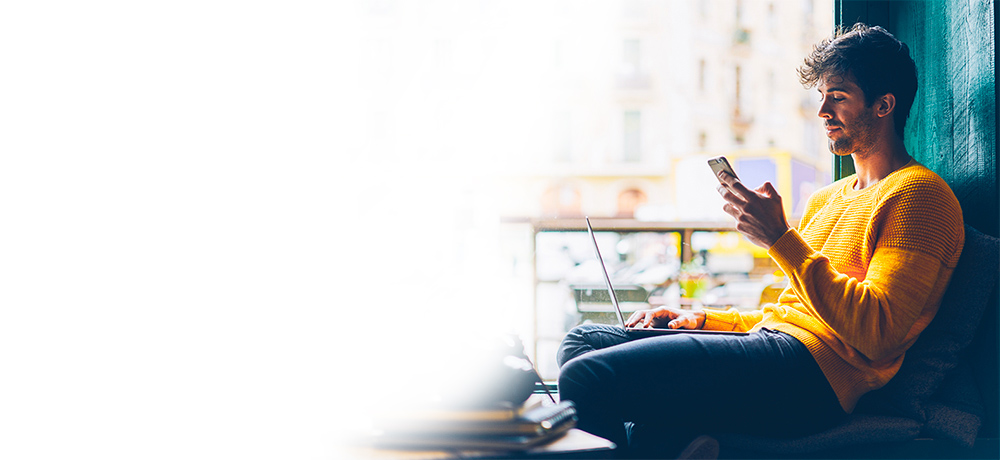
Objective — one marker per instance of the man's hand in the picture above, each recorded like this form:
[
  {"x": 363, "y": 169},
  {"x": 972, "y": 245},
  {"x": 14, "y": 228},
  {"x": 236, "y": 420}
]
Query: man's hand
[
  {"x": 671, "y": 318},
  {"x": 758, "y": 213}
]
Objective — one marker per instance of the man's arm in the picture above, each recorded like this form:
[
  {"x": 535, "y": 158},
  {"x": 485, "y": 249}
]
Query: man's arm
[
  {"x": 874, "y": 314},
  {"x": 731, "y": 320},
  {"x": 919, "y": 234},
  {"x": 761, "y": 218},
  {"x": 759, "y": 213}
]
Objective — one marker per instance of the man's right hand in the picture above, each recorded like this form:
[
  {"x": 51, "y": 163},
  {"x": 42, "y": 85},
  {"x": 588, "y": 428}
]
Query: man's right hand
[{"x": 670, "y": 318}]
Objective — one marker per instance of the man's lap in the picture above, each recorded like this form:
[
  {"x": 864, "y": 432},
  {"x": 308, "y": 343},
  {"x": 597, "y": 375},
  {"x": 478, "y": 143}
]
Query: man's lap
[{"x": 726, "y": 381}]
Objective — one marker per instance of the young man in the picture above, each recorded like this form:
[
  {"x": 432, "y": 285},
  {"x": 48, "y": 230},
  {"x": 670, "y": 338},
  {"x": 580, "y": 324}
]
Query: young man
[{"x": 867, "y": 267}]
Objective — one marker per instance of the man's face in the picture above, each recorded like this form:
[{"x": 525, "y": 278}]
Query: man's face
[{"x": 850, "y": 124}]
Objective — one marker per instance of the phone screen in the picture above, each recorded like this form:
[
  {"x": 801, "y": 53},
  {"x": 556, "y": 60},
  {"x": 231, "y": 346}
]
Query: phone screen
[{"x": 721, "y": 164}]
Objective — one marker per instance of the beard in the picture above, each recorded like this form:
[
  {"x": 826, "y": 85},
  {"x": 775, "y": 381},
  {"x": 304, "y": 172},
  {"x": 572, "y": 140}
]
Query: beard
[{"x": 859, "y": 140}]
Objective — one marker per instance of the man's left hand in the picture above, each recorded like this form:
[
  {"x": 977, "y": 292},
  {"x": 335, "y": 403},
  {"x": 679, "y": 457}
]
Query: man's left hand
[{"x": 759, "y": 214}]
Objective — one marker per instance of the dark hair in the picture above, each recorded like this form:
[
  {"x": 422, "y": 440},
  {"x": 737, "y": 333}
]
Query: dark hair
[{"x": 880, "y": 64}]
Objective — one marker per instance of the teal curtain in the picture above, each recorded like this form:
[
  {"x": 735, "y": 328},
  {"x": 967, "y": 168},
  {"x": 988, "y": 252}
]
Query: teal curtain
[{"x": 952, "y": 128}]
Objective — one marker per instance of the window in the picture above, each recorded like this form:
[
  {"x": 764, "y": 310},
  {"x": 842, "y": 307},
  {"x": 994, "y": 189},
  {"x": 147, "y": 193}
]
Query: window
[
  {"x": 561, "y": 137},
  {"x": 630, "y": 57},
  {"x": 701, "y": 75},
  {"x": 443, "y": 54},
  {"x": 557, "y": 54},
  {"x": 631, "y": 135},
  {"x": 628, "y": 201},
  {"x": 740, "y": 103},
  {"x": 772, "y": 20},
  {"x": 770, "y": 93},
  {"x": 589, "y": 110},
  {"x": 561, "y": 201}
]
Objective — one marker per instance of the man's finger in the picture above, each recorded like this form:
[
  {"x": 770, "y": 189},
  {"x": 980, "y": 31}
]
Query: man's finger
[
  {"x": 729, "y": 195},
  {"x": 728, "y": 208},
  {"x": 726, "y": 178},
  {"x": 632, "y": 317},
  {"x": 738, "y": 187},
  {"x": 769, "y": 189}
]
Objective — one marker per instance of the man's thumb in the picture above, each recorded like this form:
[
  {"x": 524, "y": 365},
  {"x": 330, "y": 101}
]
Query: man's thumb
[{"x": 769, "y": 189}]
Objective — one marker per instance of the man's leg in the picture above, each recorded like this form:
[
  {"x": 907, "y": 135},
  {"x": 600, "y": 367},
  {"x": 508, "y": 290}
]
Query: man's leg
[
  {"x": 686, "y": 384},
  {"x": 586, "y": 338}
]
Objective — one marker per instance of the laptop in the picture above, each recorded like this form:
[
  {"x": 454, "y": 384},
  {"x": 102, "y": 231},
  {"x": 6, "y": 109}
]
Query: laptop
[{"x": 641, "y": 331}]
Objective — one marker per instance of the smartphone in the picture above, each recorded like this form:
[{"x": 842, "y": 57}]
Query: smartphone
[{"x": 721, "y": 164}]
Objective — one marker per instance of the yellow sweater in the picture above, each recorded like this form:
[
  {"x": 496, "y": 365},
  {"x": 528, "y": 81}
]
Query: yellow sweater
[{"x": 867, "y": 269}]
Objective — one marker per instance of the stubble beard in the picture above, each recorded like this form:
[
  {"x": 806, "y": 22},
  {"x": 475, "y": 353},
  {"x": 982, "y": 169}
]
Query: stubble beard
[{"x": 858, "y": 144}]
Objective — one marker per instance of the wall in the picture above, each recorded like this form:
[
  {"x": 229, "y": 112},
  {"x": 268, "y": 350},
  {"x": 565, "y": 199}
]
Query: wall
[
  {"x": 952, "y": 127},
  {"x": 953, "y": 124}
]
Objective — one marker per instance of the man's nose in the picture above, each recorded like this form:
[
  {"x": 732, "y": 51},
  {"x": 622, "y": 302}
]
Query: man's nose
[{"x": 824, "y": 110}]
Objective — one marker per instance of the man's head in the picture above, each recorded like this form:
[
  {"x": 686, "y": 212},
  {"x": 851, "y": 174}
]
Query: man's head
[{"x": 872, "y": 59}]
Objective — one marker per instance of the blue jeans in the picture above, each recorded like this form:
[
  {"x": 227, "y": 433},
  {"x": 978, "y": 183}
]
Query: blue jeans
[{"x": 675, "y": 387}]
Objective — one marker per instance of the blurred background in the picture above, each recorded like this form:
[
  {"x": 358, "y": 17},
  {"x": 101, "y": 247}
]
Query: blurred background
[
  {"x": 489, "y": 129},
  {"x": 233, "y": 228}
]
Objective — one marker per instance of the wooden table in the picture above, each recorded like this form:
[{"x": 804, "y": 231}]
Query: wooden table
[{"x": 574, "y": 444}]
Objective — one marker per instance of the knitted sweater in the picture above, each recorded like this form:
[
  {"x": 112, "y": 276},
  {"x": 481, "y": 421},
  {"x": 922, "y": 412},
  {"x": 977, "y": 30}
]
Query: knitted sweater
[{"x": 866, "y": 269}]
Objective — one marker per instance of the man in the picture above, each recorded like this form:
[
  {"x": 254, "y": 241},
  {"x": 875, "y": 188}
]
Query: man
[{"x": 867, "y": 267}]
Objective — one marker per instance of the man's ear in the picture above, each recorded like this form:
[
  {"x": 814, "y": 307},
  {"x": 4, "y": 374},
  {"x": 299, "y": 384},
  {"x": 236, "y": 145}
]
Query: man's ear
[{"x": 885, "y": 105}]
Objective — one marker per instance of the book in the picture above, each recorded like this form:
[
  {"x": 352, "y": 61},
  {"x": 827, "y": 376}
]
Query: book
[
  {"x": 536, "y": 420},
  {"x": 532, "y": 427},
  {"x": 491, "y": 442},
  {"x": 499, "y": 412}
]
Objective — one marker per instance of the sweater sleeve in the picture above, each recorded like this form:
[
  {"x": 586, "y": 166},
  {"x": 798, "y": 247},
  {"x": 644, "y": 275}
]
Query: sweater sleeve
[
  {"x": 731, "y": 319},
  {"x": 742, "y": 321},
  {"x": 916, "y": 238}
]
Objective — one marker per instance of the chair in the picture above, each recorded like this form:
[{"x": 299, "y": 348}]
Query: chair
[{"x": 934, "y": 407}]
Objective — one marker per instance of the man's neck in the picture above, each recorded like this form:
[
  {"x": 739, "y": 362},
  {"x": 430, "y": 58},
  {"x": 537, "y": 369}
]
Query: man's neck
[{"x": 876, "y": 164}]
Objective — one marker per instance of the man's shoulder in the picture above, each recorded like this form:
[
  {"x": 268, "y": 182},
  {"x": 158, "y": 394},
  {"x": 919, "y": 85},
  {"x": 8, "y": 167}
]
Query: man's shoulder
[
  {"x": 916, "y": 179},
  {"x": 920, "y": 195},
  {"x": 921, "y": 211},
  {"x": 829, "y": 190},
  {"x": 835, "y": 186}
]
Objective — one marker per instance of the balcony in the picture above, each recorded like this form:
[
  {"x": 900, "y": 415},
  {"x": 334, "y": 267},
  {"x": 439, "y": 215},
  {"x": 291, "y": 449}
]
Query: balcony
[
  {"x": 740, "y": 122},
  {"x": 688, "y": 265},
  {"x": 633, "y": 81},
  {"x": 741, "y": 41}
]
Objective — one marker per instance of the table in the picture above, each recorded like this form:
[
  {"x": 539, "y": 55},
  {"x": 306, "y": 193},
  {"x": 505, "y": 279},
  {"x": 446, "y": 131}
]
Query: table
[{"x": 575, "y": 443}]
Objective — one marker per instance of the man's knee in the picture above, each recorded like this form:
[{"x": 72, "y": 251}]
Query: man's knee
[
  {"x": 572, "y": 345},
  {"x": 586, "y": 338},
  {"x": 579, "y": 376}
]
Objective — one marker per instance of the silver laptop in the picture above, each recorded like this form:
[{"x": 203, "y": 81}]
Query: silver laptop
[{"x": 640, "y": 331}]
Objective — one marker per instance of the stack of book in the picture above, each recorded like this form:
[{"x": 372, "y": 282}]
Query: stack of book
[{"x": 504, "y": 427}]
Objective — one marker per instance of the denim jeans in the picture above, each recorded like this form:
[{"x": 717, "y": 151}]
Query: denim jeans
[{"x": 675, "y": 387}]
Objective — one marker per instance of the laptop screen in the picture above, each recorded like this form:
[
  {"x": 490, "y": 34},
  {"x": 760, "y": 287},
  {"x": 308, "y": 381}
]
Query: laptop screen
[{"x": 607, "y": 279}]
